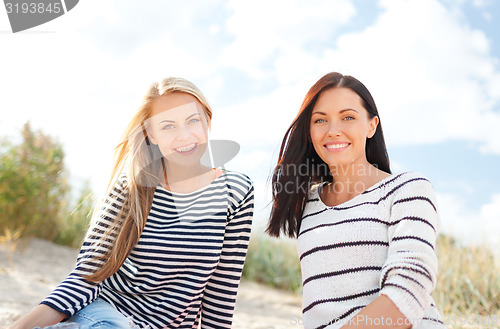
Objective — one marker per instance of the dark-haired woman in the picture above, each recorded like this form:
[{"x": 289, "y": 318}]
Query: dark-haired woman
[{"x": 366, "y": 237}]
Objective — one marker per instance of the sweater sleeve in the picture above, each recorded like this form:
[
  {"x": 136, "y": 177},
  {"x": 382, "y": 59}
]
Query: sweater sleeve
[
  {"x": 220, "y": 293},
  {"x": 74, "y": 293},
  {"x": 409, "y": 274}
]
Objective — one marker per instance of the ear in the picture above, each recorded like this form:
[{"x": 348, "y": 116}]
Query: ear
[
  {"x": 152, "y": 139},
  {"x": 206, "y": 120},
  {"x": 148, "y": 133},
  {"x": 372, "y": 129}
]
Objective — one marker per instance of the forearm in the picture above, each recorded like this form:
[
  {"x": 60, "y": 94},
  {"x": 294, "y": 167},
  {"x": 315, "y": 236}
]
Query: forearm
[
  {"x": 382, "y": 313},
  {"x": 41, "y": 316}
]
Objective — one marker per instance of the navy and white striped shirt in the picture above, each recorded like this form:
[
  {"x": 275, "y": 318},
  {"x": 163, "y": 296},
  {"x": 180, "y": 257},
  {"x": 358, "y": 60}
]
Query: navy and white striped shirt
[
  {"x": 186, "y": 266},
  {"x": 380, "y": 242}
]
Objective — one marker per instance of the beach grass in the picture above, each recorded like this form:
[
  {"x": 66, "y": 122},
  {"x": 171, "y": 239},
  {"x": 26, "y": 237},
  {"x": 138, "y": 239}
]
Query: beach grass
[
  {"x": 468, "y": 284},
  {"x": 273, "y": 262}
]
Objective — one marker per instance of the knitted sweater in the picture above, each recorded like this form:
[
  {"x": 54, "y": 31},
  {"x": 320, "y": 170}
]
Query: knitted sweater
[
  {"x": 380, "y": 242},
  {"x": 186, "y": 265}
]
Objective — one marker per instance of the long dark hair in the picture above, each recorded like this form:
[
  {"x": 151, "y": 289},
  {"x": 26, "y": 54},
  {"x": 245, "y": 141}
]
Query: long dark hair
[{"x": 299, "y": 166}]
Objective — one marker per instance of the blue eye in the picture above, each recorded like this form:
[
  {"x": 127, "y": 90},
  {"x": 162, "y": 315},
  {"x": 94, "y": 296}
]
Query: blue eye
[
  {"x": 196, "y": 120},
  {"x": 168, "y": 127},
  {"x": 319, "y": 121},
  {"x": 349, "y": 118}
]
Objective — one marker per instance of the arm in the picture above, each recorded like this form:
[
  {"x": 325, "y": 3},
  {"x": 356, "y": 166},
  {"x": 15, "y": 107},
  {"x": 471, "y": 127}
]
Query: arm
[
  {"x": 42, "y": 316},
  {"x": 220, "y": 293},
  {"x": 408, "y": 276},
  {"x": 74, "y": 293}
]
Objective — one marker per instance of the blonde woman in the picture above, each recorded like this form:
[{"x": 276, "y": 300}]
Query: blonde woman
[{"x": 167, "y": 245}]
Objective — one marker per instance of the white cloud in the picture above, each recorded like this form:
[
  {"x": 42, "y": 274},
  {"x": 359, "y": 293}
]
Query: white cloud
[
  {"x": 260, "y": 120},
  {"x": 265, "y": 31},
  {"x": 471, "y": 227},
  {"x": 433, "y": 77}
]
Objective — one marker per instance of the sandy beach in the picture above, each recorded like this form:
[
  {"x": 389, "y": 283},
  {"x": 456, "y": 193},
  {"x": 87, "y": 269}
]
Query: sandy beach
[{"x": 35, "y": 267}]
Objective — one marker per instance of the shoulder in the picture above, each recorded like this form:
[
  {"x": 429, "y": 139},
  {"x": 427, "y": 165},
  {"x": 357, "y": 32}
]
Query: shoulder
[
  {"x": 122, "y": 181},
  {"x": 117, "y": 189},
  {"x": 238, "y": 180},
  {"x": 240, "y": 191},
  {"x": 409, "y": 188},
  {"x": 113, "y": 201},
  {"x": 120, "y": 186},
  {"x": 313, "y": 194},
  {"x": 409, "y": 181}
]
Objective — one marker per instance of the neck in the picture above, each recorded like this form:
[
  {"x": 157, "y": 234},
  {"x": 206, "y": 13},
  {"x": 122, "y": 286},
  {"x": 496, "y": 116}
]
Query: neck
[
  {"x": 350, "y": 181},
  {"x": 353, "y": 178},
  {"x": 183, "y": 177}
]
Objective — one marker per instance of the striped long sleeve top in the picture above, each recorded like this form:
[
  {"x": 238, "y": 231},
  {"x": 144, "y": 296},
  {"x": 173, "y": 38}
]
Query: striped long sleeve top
[
  {"x": 186, "y": 267},
  {"x": 380, "y": 242}
]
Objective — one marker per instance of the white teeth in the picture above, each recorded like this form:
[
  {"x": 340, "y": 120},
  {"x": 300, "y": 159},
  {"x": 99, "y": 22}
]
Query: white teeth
[
  {"x": 336, "y": 146},
  {"x": 186, "y": 148}
]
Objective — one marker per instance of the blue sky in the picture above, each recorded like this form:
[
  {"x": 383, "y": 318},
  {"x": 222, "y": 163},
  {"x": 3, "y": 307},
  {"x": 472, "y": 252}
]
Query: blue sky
[{"x": 431, "y": 65}]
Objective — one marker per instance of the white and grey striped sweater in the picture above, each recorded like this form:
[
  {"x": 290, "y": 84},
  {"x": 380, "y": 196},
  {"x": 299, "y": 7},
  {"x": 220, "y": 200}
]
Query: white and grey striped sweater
[
  {"x": 380, "y": 242},
  {"x": 186, "y": 266}
]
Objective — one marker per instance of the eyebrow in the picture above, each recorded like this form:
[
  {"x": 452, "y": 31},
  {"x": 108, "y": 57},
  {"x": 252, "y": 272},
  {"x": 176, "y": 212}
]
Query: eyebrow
[
  {"x": 162, "y": 121},
  {"x": 345, "y": 110},
  {"x": 192, "y": 115},
  {"x": 341, "y": 111}
]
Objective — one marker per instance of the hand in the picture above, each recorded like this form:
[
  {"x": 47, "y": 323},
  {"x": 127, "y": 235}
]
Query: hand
[
  {"x": 41, "y": 316},
  {"x": 384, "y": 311}
]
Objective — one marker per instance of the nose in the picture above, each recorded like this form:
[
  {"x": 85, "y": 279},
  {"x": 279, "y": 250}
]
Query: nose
[
  {"x": 183, "y": 133},
  {"x": 334, "y": 129}
]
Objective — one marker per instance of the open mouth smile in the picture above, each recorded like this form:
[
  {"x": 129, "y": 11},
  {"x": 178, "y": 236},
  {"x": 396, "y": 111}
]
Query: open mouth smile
[
  {"x": 186, "y": 149},
  {"x": 336, "y": 147}
]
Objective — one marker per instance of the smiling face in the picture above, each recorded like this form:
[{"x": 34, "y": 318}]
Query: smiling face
[
  {"x": 178, "y": 125},
  {"x": 340, "y": 126}
]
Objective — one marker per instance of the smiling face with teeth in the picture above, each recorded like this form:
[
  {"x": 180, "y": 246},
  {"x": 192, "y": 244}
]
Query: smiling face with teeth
[
  {"x": 340, "y": 126},
  {"x": 179, "y": 126}
]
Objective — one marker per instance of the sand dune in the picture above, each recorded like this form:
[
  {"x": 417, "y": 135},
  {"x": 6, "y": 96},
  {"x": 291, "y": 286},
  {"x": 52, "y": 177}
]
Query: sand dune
[{"x": 38, "y": 266}]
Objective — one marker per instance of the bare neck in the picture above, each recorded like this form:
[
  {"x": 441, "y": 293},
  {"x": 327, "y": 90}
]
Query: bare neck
[
  {"x": 350, "y": 181},
  {"x": 185, "y": 179}
]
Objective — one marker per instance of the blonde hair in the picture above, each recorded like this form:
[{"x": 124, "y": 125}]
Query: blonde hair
[{"x": 143, "y": 165}]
